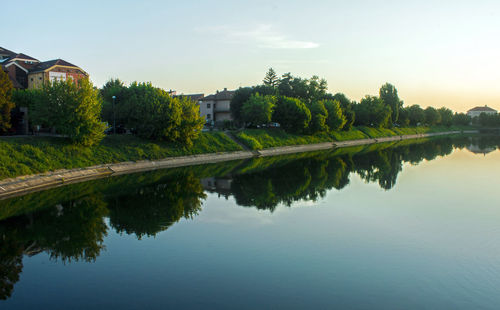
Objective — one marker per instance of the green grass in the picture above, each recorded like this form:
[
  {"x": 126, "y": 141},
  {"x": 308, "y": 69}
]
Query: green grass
[
  {"x": 353, "y": 134},
  {"x": 257, "y": 139},
  {"x": 23, "y": 156}
]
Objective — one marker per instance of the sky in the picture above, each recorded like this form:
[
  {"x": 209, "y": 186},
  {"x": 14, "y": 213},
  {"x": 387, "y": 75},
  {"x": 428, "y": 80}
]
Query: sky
[{"x": 436, "y": 53}]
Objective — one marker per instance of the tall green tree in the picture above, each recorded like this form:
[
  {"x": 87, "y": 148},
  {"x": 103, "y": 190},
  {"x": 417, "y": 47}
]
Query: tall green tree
[
  {"x": 241, "y": 95},
  {"x": 319, "y": 117},
  {"x": 115, "y": 87},
  {"x": 372, "y": 111},
  {"x": 446, "y": 116},
  {"x": 271, "y": 79},
  {"x": 416, "y": 115},
  {"x": 156, "y": 114},
  {"x": 389, "y": 95},
  {"x": 336, "y": 118},
  {"x": 404, "y": 117},
  {"x": 347, "y": 107},
  {"x": 258, "y": 109},
  {"x": 292, "y": 114},
  {"x": 6, "y": 103},
  {"x": 73, "y": 109},
  {"x": 191, "y": 122},
  {"x": 432, "y": 116},
  {"x": 461, "y": 119},
  {"x": 307, "y": 90}
]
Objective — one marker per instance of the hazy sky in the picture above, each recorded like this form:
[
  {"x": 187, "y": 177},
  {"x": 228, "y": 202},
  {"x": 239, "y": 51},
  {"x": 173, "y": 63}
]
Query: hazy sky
[{"x": 435, "y": 52}]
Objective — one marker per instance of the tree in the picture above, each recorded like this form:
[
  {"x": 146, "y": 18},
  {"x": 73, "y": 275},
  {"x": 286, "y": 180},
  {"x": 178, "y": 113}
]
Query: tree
[
  {"x": 446, "y": 116},
  {"x": 258, "y": 109},
  {"x": 191, "y": 122},
  {"x": 488, "y": 120},
  {"x": 404, "y": 117},
  {"x": 25, "y": 97},
  {"x": 271, "y": 79},
  {"x": 416, "y": 115},
  {"x": 156, "y": 114},
  {"x": 241, "y": 95},
  {"x": 432, "y": 116},
  {"x": 6, "y": 103},
  {"x": 461, "y": 119},
  {"x": 389, "y": 95},
  {"x": 115, "y": 87},
  {"x": 292, "y": 114},
  {"x": 319, "y": 117},
  {"x": 347, "y": 107},
  {"x": 336, "y": 119},
  {"x": 307, "y": 90},
  {"x": 73, "y": 109},
  {"x": 372, "y": 111}
]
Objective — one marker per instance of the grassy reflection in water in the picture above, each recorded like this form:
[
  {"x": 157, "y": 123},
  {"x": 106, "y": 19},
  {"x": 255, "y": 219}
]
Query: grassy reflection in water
[{"x": 68, "y": 222}]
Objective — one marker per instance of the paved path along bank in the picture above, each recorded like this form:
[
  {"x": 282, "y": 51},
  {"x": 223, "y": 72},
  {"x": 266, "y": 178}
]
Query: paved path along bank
[{"x": 26, "y": 184}]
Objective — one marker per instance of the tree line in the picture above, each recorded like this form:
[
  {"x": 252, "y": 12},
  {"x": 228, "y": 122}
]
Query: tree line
[
  {"x": 304, "y": 106},
  {"x": 82, "y": 112}
]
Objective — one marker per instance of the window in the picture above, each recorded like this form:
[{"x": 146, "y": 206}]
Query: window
[
  {"x": 214, "y": 105},
  {"x": 40, "y": 78},
  {"x": 209, "y": 116},
  {"x": 208, "y": 105},
  {"x": 31, "y": 79}
]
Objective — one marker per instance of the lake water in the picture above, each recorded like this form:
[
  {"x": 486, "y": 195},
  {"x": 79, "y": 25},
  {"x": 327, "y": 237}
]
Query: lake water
[{"x": 408, "y": 225}]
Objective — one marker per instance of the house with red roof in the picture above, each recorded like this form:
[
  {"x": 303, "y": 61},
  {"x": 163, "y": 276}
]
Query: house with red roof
[
  {"x": 475, "y": 112},
  {"x": 28, "y": 72}
]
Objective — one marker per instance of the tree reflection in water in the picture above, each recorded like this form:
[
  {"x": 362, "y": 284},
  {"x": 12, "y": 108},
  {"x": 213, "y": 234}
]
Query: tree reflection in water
[
  {"x": 146, "y": 211},
  {"x": 68, "y": 223}
]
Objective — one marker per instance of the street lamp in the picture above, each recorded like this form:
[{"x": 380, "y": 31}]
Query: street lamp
[{"x": 114, "y": 116}]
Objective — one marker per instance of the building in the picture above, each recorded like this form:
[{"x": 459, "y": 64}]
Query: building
[
  {"x": 27, "y": 72},
  {"x": 17, "y": 66},
  {"x": 54, "y": 70},
  {"x": 194, "y": 97},
  {"x": 219, "y": 185},
  {"x": 216, "y": 108},
  {"x": 475, "y": 112}
]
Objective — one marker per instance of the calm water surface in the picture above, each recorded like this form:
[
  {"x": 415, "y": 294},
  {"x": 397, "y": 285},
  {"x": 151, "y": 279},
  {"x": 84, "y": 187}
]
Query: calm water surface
[{"x": 409, "y": 225}]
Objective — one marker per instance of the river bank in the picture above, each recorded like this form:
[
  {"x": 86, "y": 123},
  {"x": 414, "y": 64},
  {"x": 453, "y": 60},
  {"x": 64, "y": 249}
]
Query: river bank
[{"x": 25, "y": 184}]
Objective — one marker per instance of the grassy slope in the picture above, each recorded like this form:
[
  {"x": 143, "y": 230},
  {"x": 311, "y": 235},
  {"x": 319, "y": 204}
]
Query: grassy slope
[
  {"x": 261, "y": 138},
  {"x": 23, "y": 156}
]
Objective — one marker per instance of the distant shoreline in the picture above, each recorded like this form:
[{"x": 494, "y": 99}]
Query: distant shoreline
[{"x": 31, "y": 183}]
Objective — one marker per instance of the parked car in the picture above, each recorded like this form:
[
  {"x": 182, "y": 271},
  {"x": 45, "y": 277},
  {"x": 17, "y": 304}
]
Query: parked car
[{"x": 120, "y": 129}]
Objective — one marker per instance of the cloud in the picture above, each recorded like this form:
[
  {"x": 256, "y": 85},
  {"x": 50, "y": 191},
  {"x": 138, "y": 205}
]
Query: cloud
[{"x": 264, "y": 36}]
